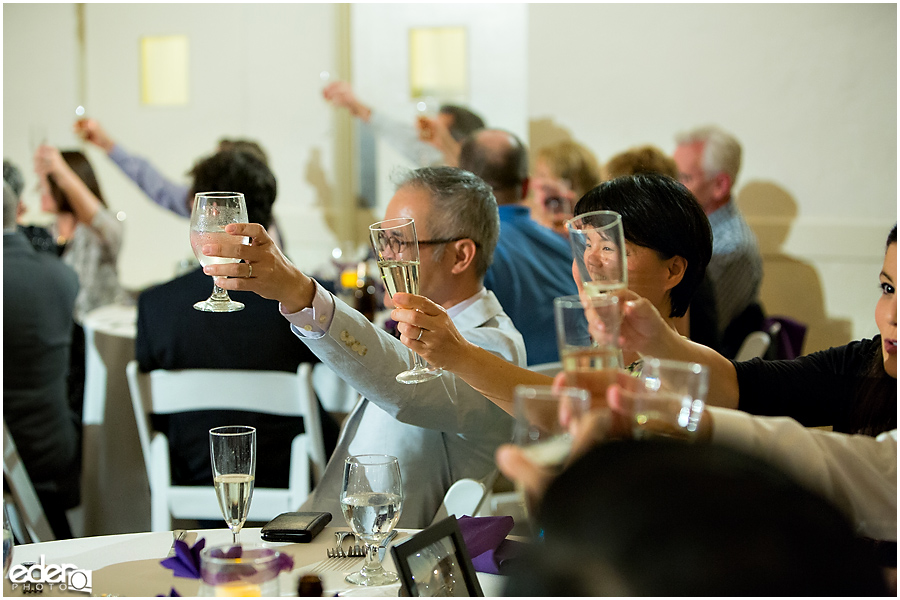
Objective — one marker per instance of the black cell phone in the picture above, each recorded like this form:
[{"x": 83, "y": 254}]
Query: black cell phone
[{"x": 295, "y": 526}]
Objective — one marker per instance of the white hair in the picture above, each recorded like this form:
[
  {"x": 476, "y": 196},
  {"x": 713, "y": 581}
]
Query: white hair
[{"x": 721, "y": 150}]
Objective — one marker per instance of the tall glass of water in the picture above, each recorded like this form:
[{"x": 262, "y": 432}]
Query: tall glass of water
[
  {"x": 598, "y": 246},
  {"x": 397, "y": 251},
  {"x": 232, "y": 450},
  {"x": 371, "y": 500},
  {"x": 212, "y": 211}
]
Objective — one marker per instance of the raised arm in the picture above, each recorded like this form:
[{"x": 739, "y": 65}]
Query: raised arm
[
  {"x": 340, "y": 94},
  {"x": 48, "y": 162},
  {"x": 445, "y": 347},
  {"x": 645, "y": 331}
]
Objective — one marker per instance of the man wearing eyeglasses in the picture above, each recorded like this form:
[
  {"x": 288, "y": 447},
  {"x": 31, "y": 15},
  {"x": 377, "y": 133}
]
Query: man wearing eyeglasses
[
  {"x": 532, "y": 264},
  {"x": 441, "y": 430}
]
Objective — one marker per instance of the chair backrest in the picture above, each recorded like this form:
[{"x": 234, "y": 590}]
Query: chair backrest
[
  {"x": 463, "y": 498},
  {"x": 550, "y": 368},
  {"x": 755, "y": 346},
  {"x": 167, "y": 392},
  {"x": 787, "y": 337},
  {"x": 30, "y": 512},
  {"x": 750, "y": 320}
]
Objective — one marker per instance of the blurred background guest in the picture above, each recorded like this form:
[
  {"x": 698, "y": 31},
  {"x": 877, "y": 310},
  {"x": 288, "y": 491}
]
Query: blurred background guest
[
  {"x": 172, "y": 335},
  {"x": 640, "y": 159},
  {"x": 708, "y": 160},
  {"x": 166, "y": 193},
  {"x": 89, "y": 237},
  {"x": 430, "y": 141},
  {"x": 39, "y": 294},
  {"x": 531, "y": 265},
  {"x": 39, "y": 237},
  {"x": 563, "y": 173}
]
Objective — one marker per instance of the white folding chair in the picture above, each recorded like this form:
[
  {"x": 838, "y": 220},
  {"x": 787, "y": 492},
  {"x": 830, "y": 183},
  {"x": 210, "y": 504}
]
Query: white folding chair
[
  {"x": 271, "y": 392},
  {"x": 463, "y": 498},
  {"x": 753, "y": 346},
  {"x": 32, "y": 525}
]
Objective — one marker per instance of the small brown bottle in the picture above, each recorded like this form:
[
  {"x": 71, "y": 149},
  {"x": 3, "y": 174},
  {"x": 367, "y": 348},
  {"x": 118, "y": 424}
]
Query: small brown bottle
[{"x": 310, "y": 585}]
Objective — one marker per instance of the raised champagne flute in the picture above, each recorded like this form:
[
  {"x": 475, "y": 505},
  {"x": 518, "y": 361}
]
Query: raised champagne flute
[
  {"x": 598, "y": 246},
  {"x": 212, "y": 211},
  {"x": 371, "y": 500},
  {"x": 232, "y": 450},
  {"x": 397, "y": 252}
]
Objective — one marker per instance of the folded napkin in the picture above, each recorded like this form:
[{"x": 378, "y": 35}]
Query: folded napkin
[
  {"x": 485, "y": 539},
  {"x": 186, "y": 562}
]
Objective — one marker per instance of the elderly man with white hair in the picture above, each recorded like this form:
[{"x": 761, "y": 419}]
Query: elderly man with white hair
[{"x": 708, "y": 161}]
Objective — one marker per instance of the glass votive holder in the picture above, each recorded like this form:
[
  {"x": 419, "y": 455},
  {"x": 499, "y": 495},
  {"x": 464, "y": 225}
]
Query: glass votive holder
[{"x": 239, "y": 571}]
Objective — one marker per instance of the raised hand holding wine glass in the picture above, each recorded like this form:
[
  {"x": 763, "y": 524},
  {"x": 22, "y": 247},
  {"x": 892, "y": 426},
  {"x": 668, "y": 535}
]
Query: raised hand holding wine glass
[
  {"x": 212, "y": 211},
  {"x": 397, "y": 251},
  {"x": 371, "y": 500},
  {"x": 232, "y": 450}
]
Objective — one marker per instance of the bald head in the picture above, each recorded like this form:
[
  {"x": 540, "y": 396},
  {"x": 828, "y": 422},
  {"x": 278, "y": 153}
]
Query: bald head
[{"x": 500, "y": 159}]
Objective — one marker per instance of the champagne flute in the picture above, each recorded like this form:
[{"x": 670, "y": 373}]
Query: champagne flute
[
  {"x": 546, "y": 418},
  {"x": 589, "y": 361},
  {"x": 397, "y": 253},
  {"x": 232, "y": 450},
  {"x": 371, "y": 500},
  {"x": 670, "y": 399},
  {"x": 211, "y": 213},
  {"x": 598, "y": 245}
]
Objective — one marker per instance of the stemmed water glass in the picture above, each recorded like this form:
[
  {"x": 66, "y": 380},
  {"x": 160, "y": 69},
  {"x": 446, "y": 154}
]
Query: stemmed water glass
[
  {"x": 7, "y": 542},
  {"x": 211, "y": 213},
  {"x": 397, "y": 251},
  {"x": 371, "y": 500},
  {"x": 598, "y": 246},
  {"x": 232, "y": 450}
]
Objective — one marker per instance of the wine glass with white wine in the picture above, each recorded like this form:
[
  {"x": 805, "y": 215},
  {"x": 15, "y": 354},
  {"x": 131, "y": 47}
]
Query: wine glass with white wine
[
  {"x": 371, "y": 500},
  {"x": 211, "y": 213},
  {"x": 232, "y": 450},
  {"x": 397, "y": 251}
]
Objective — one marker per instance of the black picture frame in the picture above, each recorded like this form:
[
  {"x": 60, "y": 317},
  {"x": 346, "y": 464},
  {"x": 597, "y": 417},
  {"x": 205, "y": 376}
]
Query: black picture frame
[{"x": 440, "y": 543}]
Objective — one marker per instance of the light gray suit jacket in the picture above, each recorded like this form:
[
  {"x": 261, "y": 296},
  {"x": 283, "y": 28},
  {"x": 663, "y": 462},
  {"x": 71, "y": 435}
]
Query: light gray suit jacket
[{"x": 441, "y": 430}]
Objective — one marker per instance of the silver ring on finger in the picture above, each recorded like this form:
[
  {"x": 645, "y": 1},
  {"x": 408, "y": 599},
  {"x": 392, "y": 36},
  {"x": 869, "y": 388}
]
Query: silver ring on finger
[
  {"x": 421, "y": 331},
  {"x": 249, "y": 270}
]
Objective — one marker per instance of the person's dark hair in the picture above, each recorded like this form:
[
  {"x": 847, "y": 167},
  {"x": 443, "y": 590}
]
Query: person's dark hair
[
  {"x": 238, "y": 171},
  {"x": 465, "y": 121},
  {"x": 874, "y": 408},
  {"x": 463, "y": 207},
  {"x": 78, "y": 162},
  {"x": 665, "y": 518},
  {"x": 13, "y": 176},
  {"x": 502, "y": 170},
  {"x": 245, "y": 145},
  {"x": 661, "y": 214}
]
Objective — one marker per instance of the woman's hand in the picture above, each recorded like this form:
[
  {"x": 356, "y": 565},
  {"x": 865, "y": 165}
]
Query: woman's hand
[
  {"x": 265, "y": 269},
  {"x": 426, "y": 329},
  {"x": 91, "y": 131},
  {"x": 49, "y": 161}
]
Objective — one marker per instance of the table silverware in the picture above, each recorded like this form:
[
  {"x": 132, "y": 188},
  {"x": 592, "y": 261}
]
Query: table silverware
[
  {"x": 382, "y": 547},
  {"x": 178, "y": 534}
]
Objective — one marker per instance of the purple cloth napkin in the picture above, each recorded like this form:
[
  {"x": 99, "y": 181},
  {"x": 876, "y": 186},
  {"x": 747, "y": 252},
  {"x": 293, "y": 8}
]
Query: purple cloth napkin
[
  {"x": 186, "y": 562},
  {"x": 485, "y": 539}
]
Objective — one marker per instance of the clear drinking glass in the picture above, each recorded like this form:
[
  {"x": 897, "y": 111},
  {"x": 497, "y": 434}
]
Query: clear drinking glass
[
  {"x": 397, "y": 251},
  {"x": 371, "y": 500},
  {"x": 211, "y": 213},
  {"x": 243, "y": 571},
  {"x": 598, "y": 246},
  {"x": 232, "y": 450},
  {"x": 546, "y": 418},
  {"x": 589, "y": 361},
  {"x": 670, "y": 400}
]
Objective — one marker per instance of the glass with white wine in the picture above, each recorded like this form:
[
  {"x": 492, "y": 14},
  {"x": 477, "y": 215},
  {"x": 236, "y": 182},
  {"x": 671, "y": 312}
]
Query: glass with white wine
[
  {"x": 232, "y": 450},
  {"x": 371, "y": 500},
  {"x": 212, "y": 211},
  {"x": 598, "y": 246},
  {"x": 397, "y": 252}
]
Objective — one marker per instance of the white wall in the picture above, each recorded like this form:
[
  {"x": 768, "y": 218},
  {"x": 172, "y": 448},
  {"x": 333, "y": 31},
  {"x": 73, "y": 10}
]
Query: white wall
[{"x": 810, "y": 90}]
